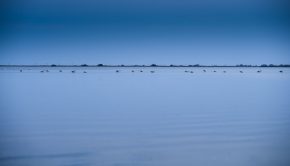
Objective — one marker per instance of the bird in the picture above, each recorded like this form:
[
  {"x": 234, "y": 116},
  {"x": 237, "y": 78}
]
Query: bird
[
  {"x": 241, "y": 72},
  {"x": 20, "y": 70},
  {"x": 259, "y": 71},
  {"x": 185, "y": 71},
  {"x": 281, "y": 71},
  {"x": 204, "y": 70},
  {"x": 117, "y": 71},
  {"x": 191, "y": 72},
  {"x": 84, "y": 72},
  {"x": 141, "y": 71},
  {"x": 73, "y": 71},
  {"x": 132, "y": 71},
  {"x": 60, "y": 70},
  {"x": 47, "y": 71},
  {"x": 152, "y": 71},
  {"x": 224, "y": 71},
  {"x": 41, "y": 71},
  {"x": 214, "y": 71}
]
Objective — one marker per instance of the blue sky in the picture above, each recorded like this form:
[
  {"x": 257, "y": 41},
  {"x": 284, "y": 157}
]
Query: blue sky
[{"x": 144, "y": 32}]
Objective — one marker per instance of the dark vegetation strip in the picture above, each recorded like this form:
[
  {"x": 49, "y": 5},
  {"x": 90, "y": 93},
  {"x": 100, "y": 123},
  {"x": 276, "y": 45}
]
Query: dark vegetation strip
[{"x": 152, "y": 65}]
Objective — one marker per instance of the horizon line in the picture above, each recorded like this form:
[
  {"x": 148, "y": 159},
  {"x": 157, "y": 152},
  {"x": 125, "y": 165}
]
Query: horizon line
[{"x": 143, "y": 65}]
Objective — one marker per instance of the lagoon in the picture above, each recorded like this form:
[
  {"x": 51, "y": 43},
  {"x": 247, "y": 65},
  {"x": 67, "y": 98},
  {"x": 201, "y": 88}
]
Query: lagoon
[{"x": 169, "y": 117}]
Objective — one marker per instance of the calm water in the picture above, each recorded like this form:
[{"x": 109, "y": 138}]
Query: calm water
[{"x": 168, "y": 118}]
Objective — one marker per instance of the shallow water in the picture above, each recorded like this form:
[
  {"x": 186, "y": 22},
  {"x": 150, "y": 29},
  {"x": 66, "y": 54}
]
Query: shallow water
[{"x": 169, "y": 117}]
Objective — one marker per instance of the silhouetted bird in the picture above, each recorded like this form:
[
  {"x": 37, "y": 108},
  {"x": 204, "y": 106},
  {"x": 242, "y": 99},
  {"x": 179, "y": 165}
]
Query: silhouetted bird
[
  {"x": 204, "y": 70},
  {"x": 84, "y": 72},
  {"x": 185, "y": 71},
  {"x": 60, "y": 70},
  {"x": 73, "y": 71},
  {"x": 141, "y": 71},
  {"x": 214, "y": 71},
  {"x": 241, "y": 72},
  {"x": 152, "y": 71},
  {"x": 224, "y": 71},
  {"x": 132, "y": 71},
  {"x": 20, "y": 70},
  {"x": 191, "y": 71},
  {"x": 47, "y": 71},
  {"x": 259, "y": 71},
  {"x": 117, "y": 71},
  {"x": 281, "y": 71},
  {"x": 41, "y": 71}
]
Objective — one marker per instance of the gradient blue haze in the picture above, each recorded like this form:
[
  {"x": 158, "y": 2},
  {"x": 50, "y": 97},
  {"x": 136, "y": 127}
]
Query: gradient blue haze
[{"x": 144, "y": 32}]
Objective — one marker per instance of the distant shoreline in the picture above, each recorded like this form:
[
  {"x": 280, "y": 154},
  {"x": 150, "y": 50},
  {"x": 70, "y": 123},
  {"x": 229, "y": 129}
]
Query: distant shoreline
[{"x": 152, "y": 65}]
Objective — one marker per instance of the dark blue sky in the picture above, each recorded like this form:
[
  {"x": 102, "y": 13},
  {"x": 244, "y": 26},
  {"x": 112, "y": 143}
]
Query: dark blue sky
[{"x": 144, "y": 32}]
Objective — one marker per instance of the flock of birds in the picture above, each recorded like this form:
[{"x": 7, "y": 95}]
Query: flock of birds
[
  {"x": 74, "y": 71},
  {"x": 152, "y": 71}
]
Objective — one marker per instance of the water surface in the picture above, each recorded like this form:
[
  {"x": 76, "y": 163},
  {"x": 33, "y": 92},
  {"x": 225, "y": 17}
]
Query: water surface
[{"x": 169, "y": 117}]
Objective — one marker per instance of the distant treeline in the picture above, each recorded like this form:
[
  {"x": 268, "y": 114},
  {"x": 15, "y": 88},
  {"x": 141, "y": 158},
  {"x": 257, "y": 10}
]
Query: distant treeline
[{"x": 152, "y": 65}]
